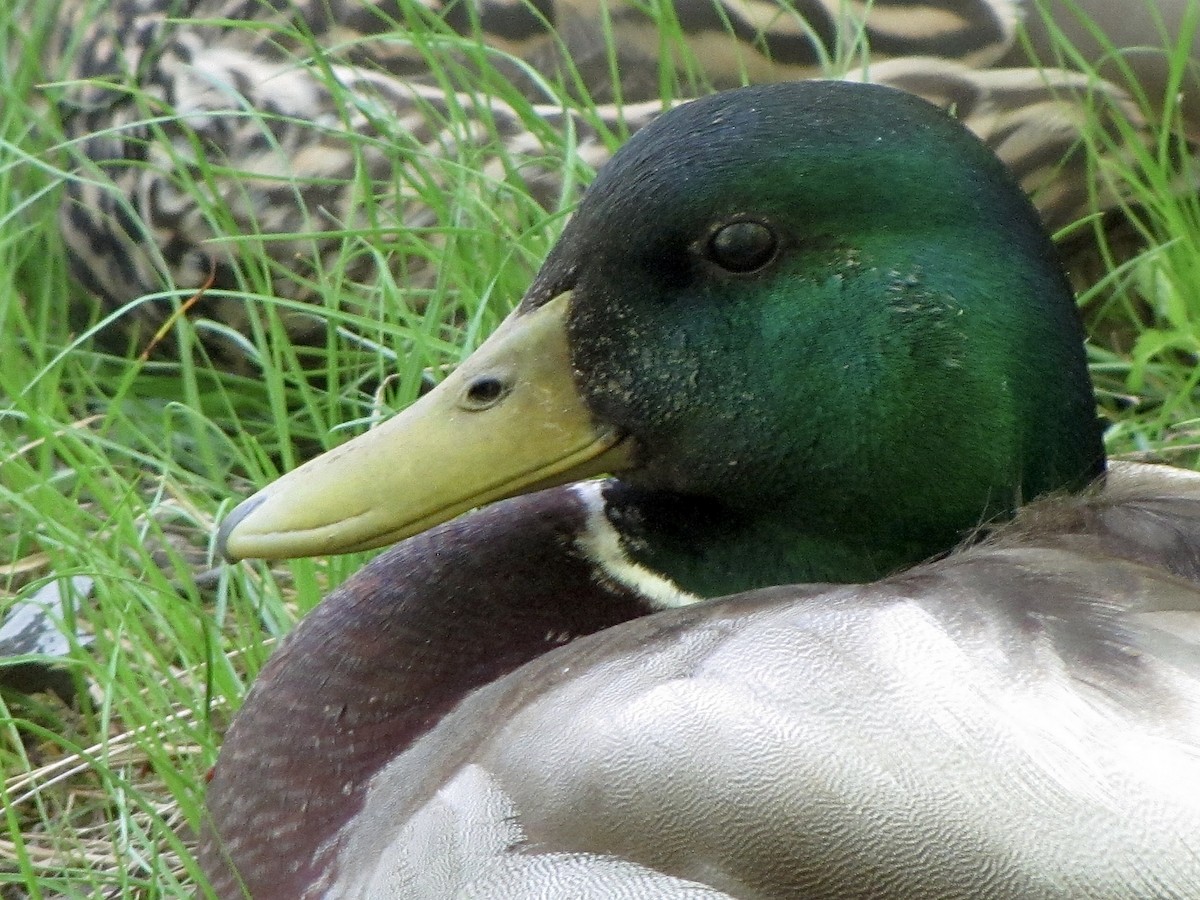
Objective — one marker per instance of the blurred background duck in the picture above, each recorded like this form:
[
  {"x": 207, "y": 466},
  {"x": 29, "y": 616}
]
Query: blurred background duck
[
  {"x": 793, "y": 379},
  {"x": 211, "y": 152}
]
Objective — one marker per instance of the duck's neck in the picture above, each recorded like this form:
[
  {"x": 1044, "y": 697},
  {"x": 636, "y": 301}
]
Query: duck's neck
[
  {"x": 384, "y": 658},
  {"x": 710, "y": 549}
]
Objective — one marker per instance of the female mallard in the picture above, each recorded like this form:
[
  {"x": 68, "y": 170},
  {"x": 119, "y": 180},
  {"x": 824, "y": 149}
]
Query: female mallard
[
  {"x": 193, "y": 127},
  {"x": 818, "y": 334}
]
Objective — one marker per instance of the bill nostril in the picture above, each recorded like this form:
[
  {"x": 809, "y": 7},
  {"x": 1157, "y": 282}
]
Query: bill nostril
[{"x": 484, "y": 392}]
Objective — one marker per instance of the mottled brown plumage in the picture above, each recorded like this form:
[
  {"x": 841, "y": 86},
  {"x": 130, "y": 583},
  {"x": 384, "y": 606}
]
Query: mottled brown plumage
[{"x": 157, "y": 84}]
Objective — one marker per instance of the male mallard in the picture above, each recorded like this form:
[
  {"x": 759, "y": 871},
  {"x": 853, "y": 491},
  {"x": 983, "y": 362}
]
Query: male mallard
[
  {"x": 167, "y": 84},
  {"x": 818, "y": 335}
]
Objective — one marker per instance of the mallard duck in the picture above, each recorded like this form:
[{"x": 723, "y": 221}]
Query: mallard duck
[
  {"x": 819, "y": 338},
  {"x": 157, "y": 86}
]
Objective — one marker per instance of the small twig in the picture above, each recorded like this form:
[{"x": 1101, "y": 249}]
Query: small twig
[{"x": 182, "y": 311}]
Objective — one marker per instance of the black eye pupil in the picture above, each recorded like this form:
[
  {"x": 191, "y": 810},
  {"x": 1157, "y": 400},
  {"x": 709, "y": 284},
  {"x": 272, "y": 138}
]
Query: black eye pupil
[{"x": 742, "y": 246}]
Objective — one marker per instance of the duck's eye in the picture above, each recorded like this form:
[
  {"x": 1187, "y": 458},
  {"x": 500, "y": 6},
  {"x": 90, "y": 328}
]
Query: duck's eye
[
  {"x": 742, "y": 246},
  {"x": 483, "y": 392}
]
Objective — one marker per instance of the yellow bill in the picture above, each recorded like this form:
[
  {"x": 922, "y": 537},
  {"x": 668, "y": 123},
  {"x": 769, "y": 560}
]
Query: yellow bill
[{"x": 508, "y": 421}]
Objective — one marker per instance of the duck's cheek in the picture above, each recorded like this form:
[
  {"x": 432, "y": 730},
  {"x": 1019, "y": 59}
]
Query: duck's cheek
[{"x": 641, "y": 373}]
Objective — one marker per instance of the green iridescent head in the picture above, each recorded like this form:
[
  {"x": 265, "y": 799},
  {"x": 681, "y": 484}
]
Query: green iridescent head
[{"x": 832, "y": 300}]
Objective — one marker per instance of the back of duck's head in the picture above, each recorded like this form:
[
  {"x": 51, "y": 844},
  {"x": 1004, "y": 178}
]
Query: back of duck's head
[{"x": 828, "y": 295}]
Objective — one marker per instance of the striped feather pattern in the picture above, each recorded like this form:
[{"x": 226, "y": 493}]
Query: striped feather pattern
[{"x": 160, "y": 84}]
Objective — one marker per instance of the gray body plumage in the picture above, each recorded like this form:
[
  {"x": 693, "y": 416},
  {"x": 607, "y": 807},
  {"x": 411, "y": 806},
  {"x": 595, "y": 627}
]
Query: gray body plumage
[{"x": 1022, "y": 720}]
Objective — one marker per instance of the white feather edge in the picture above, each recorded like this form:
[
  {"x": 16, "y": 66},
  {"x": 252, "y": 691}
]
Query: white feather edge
[{"x": 601, "y": 544}]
